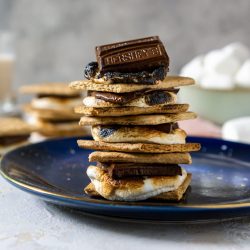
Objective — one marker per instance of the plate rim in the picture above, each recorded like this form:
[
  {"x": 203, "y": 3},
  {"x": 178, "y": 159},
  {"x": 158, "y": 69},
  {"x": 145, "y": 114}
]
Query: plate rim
[
  {"x": 38, "y": 191},
  {"x": 160, "y": 205}
]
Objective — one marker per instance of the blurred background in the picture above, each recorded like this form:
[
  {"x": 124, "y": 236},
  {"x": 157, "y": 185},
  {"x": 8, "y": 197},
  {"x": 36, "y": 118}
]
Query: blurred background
[{"x": 54, "y": 39}]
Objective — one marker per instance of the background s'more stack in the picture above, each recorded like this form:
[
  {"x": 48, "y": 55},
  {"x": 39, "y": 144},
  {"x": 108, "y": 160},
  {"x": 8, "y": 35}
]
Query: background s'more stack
[
  {"x": 131, "y": 106},
  {"x": 14, "y": 133},
  {"x": 51, "y": 110}
]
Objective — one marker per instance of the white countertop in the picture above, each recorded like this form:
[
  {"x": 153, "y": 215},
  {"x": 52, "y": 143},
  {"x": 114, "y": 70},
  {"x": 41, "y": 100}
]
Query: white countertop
[{"x": 27, "y": 222}]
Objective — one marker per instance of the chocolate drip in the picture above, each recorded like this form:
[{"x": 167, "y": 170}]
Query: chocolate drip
[
  {"x": 153, "y": 97},
  {"x": 121, "y": 98}
]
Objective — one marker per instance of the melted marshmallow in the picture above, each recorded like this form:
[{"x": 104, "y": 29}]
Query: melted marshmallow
[{"x": 149, "y": 188}]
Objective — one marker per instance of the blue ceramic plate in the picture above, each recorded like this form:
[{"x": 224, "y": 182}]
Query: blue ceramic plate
[{"x": 55, "y": 171}]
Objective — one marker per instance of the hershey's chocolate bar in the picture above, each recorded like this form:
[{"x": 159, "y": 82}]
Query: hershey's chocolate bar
[
  {"x": 124, "y": 170},
  {"x": 132, "y": 56}
]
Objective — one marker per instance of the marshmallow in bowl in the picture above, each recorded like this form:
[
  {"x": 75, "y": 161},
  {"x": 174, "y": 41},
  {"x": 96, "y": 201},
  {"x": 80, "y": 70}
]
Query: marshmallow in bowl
[
  {"x": 237, "y": 130},
  {"x": 221, "y": 62},
  {"x": 194, "y": 68},
  {"x": 243, "y": 75},
  {"x": 222, "y": 68},
  {"x": 211, "y": 80},
  {"x": 237, "y": 50}
]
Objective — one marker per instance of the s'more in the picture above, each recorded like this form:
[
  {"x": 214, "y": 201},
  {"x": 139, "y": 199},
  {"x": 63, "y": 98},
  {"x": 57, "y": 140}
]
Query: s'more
[{"x": 51, "y": 109}]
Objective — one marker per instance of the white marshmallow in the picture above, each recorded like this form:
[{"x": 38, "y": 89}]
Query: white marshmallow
[
  {"x": 221, "y": 69},
  {"x": 220, "y": 62},
  {"x": 217, "y": 81},
  {"x": 237, "y": 130},
  {"x": 242, "y": 77},
  {"x": 194, "y": 68},
  {"x": 238, "y": 50}
]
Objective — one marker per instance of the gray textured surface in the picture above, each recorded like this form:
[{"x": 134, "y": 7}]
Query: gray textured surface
[
  {"x": 27, "y": 223},
  {"x": 56, "y": 38}
]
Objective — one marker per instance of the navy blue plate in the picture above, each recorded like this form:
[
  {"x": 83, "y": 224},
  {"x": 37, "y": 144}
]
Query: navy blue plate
[{"x": 55, "y": 171}]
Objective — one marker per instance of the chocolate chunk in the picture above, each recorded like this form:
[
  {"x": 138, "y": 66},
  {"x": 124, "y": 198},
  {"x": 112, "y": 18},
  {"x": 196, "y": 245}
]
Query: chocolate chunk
[
  {"x": 157, "y": 97},
  {"x": 153, "y": 97},
  {"x": 132, "y": 56},
  {"x": 106, "y": 131},
  {"x": 9, "y": 140},
  {"x": 124, "y": 170},
  {"x": 91, "y": 70}
]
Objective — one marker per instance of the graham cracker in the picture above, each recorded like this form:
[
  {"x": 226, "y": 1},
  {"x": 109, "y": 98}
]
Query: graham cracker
[
  {"x": 10, "y": 126},
  {"x": 168, "y": 82},
  {"x": 51, "y": 114},
  {"x": 137, "y": 120},
  {"x": 125, "y": 111},
  {"x": 138, "y": 147},
  {"x": 164, "y": 158},
  {"x": 52, "y": 88}
]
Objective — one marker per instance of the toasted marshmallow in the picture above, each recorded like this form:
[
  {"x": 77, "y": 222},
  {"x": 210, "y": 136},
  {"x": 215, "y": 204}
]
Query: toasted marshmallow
[
  {"x": 91, "y": 101},
  {"x": 242, "y": 78},
  {"x": 137, "y": 134},
  {"x": 133, "y": 189},
  {"x": 36, "y": 122},
  {"x": 54, "y": 103}
]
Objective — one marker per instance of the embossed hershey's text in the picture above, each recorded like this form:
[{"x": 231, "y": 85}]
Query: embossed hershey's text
[{"x": 133, "y": 55}]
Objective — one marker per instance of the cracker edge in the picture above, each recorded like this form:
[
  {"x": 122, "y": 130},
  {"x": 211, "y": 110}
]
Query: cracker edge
[{"x": 138, "y": 147}]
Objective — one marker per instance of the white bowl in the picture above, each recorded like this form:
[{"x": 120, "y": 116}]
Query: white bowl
[{"x": 217, "y": 105}]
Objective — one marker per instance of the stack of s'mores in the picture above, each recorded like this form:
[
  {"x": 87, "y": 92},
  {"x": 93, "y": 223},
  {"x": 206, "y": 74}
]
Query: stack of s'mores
[
  {"x": 51, "y": 110},
  {"x": 131, "y": 106}
]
